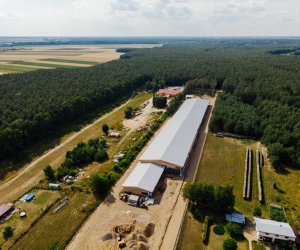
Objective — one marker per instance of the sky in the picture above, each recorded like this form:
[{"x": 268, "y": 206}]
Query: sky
[{"x": 149, "y": 17}]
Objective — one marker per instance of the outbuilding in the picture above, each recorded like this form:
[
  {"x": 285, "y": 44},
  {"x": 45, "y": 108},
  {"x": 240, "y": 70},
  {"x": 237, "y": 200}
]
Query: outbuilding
[
  {"x": 273, "y": 231},
  {"x": 6, "y": 210},
  {"x": 236, "y": 218},
  {"x": 143, "y": 179}
]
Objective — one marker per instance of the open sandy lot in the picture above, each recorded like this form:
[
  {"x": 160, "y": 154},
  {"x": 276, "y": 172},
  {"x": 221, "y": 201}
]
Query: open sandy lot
[{"x": 166, "y": 214}]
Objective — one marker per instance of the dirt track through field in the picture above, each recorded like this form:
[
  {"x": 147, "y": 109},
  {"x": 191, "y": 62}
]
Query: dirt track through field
[{"x": 8, "y": 190}]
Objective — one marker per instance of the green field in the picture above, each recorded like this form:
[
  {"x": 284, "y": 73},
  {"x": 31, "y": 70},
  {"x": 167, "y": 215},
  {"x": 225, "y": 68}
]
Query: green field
[
  {"x": 15, "y": 68},
  {"x": 69, "y": 61},
  {"x": 50, "y": 65},
  {"x": 53, "y": 231},
  {"x": 222, "y": 163},
  {"x": 33, "y": 209}
]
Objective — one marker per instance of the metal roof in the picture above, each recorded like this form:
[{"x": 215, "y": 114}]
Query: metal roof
[
  {"x": 5, "y": 208},
  {"x": 172, "y": 145},
  {"x": 274, "y": 227},
  {"x": 236, "y": 217},
  {"x": 144, "y": 176}
]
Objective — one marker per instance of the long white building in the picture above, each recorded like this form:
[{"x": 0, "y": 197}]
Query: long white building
[{"x": 170, "y": 150}]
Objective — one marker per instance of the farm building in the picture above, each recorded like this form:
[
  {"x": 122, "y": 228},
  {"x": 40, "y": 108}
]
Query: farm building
[
  {"x": 143, "y": 179},
  {"x": 273, "y": 231},
  {"x": 5, "y": 210},
  {"x": 172, "y": 146},
  {"x": 170, "y": 150},
  {"x": 169, "y": 92},
  {"x": 236, "y": 217}
]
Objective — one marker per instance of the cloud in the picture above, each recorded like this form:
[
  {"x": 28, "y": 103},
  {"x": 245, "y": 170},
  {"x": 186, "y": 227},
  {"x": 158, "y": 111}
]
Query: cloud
[{"x": 149, "y": 17}]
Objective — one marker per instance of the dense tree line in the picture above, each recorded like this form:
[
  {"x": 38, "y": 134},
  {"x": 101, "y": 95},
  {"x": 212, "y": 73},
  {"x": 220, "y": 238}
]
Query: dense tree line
[{"x": 261, "y": 92}]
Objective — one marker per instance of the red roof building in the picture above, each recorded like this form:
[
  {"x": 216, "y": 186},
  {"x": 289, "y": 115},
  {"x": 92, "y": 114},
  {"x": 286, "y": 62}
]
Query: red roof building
[{"x": 169, "y": 92}]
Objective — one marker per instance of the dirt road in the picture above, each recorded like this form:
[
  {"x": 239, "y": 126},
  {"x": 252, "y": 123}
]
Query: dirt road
[{"x": 30, "y": 174}]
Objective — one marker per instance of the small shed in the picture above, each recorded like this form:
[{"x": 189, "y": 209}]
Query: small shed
[
  {"x": 5, "y": 210},
  {"x": 236, "y": 217},
  {"x": 53, "y": 186}
]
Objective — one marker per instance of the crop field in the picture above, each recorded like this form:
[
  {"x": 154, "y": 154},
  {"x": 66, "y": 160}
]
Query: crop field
[
  {"x": 62, "y": 56},
  {"x": 222, "y": 163},
  {"x": 53, "y": 231},
  {"x": 33, "y": 210}
]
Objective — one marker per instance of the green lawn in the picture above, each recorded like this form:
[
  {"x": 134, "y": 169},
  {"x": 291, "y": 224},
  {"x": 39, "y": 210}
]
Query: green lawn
[
  {"x": 69, "y": 61},
  {"x": 222, "y": 163},
  {"x": 50, "y": 65}
]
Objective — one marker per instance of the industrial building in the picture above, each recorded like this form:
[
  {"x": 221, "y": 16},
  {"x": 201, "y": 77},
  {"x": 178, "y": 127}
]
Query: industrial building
[
  {"x": 273, "y": 231},
  {"x": 170, "y": 150}
]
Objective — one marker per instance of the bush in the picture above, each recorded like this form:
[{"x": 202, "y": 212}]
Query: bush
[
  {"x": 257, "y": 212},
  {"x": 219, "y": 230},
  {"x": 159, "y": 102},
  {"x": 205, "y": 229},
  {"x": 105, "y": 128},
  {"x": 234, "y": 230},
  {"x": 8, "y": 232},
  {"x": 49, "y": 173},
  {"x": 128, "y": 113},
  {"x": 229, "y": 244},
  {"x": 101, "y": 184}
]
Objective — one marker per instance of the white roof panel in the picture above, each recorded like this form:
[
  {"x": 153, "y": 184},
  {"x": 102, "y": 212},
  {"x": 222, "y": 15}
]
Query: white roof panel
[
  {"x": 274, "y": 227},
  {"x": 144, "y": 176},
  {"x": 173, "y": 143}
]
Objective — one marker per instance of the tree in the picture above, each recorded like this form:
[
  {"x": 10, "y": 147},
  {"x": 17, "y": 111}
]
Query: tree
[
  {"x": 128, "y": 112},
  {"x": 101, "y": 155},
  {"x": 105, "y": 128},
  {"x": 229, "y": 244},
  {"x": 159, "y": 102},
  {"x": 234, "y": 230},
  {"x": 257, "y": 211},
  {"x": 8, "y": 232},
  {"x": 101, "y": 184},
  {"x": 49, "y": 173}
]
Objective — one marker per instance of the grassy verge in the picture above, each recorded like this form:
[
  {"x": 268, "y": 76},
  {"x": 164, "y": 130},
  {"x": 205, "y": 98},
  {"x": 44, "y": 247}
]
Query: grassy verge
[
  {"x": 222, "y": 163},
  {"x": 69, "y": 61}
]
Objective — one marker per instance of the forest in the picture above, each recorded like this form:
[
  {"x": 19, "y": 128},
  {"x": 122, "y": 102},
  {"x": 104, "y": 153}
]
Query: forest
[{"x": 261, "y": 92}]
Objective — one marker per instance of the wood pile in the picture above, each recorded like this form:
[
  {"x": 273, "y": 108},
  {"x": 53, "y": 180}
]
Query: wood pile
[
  {"x": 247, "y": 175},
  {"x": 259, "y": 164}
]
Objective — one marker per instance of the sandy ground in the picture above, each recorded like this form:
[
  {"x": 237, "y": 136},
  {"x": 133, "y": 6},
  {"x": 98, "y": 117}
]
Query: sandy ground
[{"x": 166, "y": 214}]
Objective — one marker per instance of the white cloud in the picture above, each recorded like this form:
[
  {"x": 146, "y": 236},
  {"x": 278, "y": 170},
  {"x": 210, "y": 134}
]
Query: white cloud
[{"x": 149, "y": 17}]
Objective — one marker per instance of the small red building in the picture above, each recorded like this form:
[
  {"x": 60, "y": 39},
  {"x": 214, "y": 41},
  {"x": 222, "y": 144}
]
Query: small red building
[{"x": 169, "y": 92}]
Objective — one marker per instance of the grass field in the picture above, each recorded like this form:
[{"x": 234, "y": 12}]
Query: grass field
[
  {"x": 222, "y": 163},
  {"x": 15, "y": 68},
  {"x": 69, "y": 61},
  {"x": 53, "y": 231},
  {"x": 33, "y": 210},
  {"x": 49, "y": 65}
]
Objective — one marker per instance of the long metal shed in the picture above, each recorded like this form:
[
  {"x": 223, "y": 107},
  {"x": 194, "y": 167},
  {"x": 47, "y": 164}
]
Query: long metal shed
[{"x": 172, "y": 146}]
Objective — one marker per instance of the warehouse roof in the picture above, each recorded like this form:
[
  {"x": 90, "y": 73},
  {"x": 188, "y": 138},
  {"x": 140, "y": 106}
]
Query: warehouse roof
[
  {"x": 144, "y": 176},
  {"x": 274, "y": 227},
  {"x": 172, "y": 145}
]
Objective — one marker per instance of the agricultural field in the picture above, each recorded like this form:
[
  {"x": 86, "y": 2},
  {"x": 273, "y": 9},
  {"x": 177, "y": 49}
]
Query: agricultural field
[
  {"x": 34, "y": 209},
  {"x": 222, "y": 163},
  {"x": 49, "y": 57}
]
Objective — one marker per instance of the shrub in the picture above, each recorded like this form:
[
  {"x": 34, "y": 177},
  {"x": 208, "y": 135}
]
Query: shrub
[
  {"x": 205, "y": 229},
  {"x": 105, "y": 128},
  {"x": 229, "y": 244},
  {"x": 159, "y": 102},
  {"x": 257, "y": 212},
  {"x": 101, "y": 184},
  {"x": 219, "y": 230},
  {"x": 234, "y": 230},
  {"x": 128, "y": 112},
  {"x": 49, "y": 173},
  {"x": 8, "y": 232}
]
